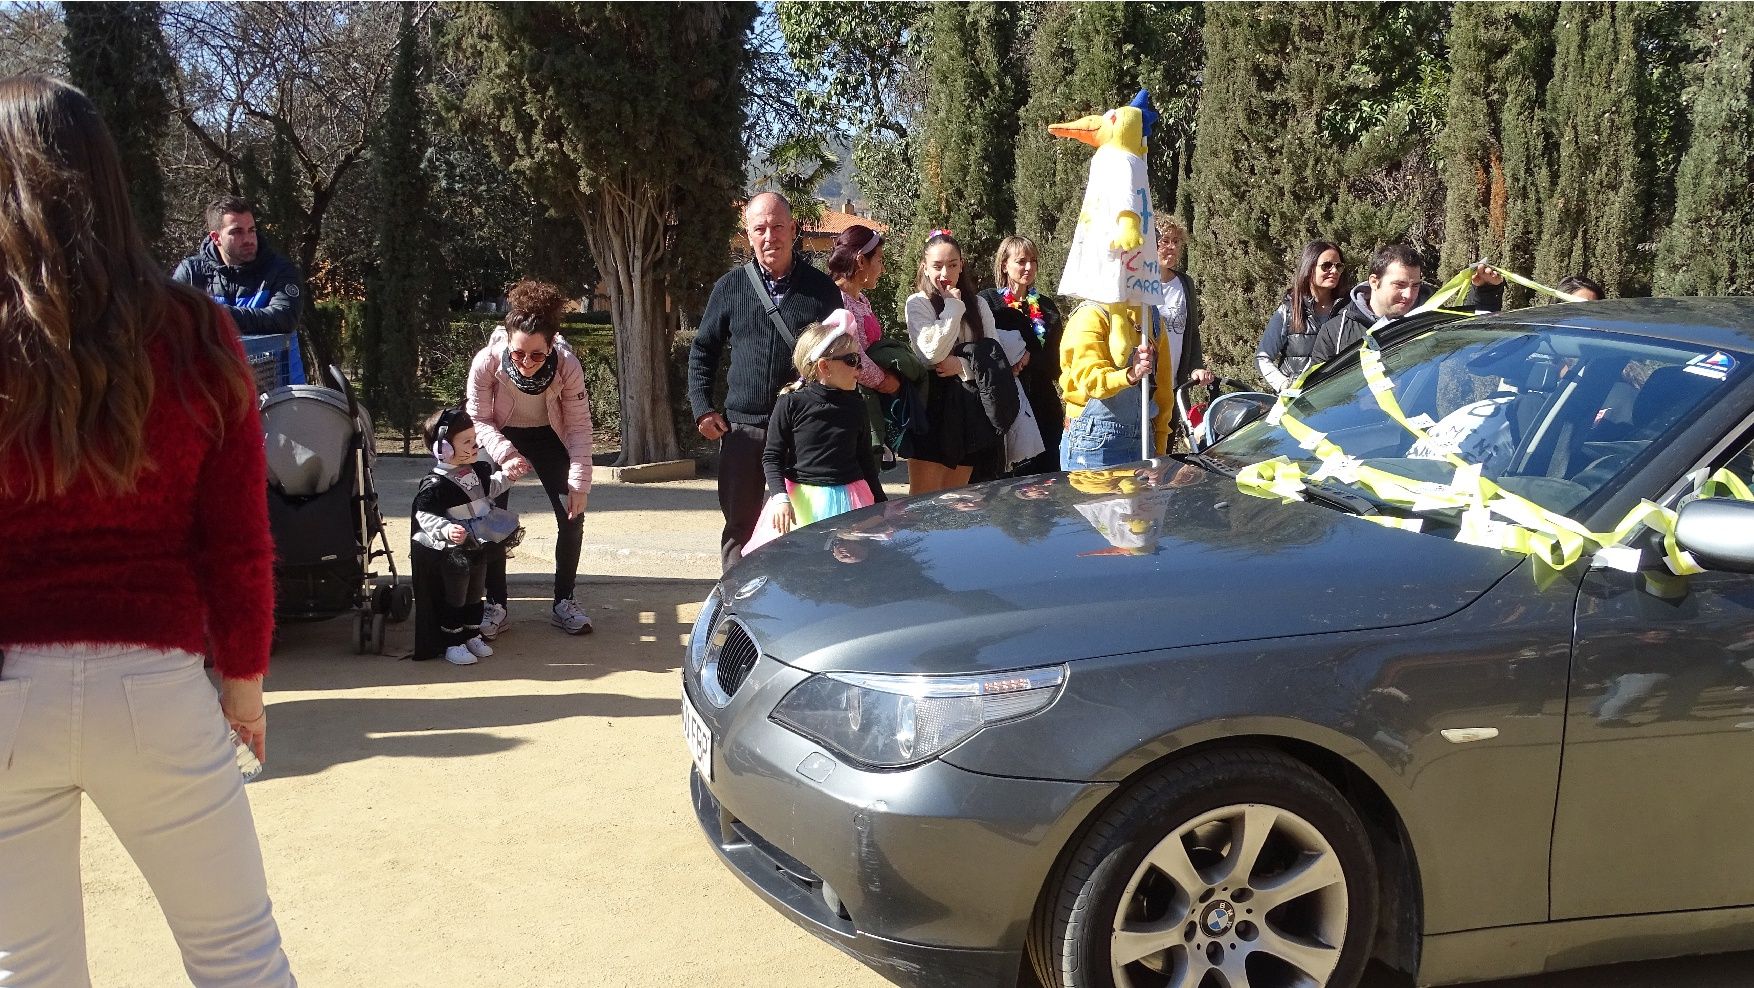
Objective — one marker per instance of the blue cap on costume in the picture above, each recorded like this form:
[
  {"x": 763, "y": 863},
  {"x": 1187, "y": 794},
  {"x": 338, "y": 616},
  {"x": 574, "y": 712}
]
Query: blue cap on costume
[{"x": 1143, "y": 103}]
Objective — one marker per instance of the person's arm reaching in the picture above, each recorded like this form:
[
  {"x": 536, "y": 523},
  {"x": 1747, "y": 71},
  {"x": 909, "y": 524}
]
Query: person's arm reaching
[{"x": 1272, "y": 345}]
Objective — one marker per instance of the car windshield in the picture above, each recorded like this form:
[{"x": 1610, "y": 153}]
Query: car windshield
[{"x": 1555, "y": 415}]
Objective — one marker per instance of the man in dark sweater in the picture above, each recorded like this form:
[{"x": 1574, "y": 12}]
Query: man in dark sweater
[{"x": 737, "y": 313}]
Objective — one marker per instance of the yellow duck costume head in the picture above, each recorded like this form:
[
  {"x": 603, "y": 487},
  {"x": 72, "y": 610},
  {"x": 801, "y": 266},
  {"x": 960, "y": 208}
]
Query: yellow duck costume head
[{"x": 1111, "y": 260}]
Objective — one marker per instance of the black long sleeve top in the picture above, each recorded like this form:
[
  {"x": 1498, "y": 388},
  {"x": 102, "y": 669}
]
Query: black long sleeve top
[
  {"x": 820, "y": 436},
  {"x": 761, "y": 360}
]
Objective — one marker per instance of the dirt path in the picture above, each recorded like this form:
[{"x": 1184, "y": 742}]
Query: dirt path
[{"x": 521, "y": 822}]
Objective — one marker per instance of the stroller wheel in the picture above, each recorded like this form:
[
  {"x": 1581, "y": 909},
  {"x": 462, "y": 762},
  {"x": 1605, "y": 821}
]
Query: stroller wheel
[
  {"x": 401, "y": 602},
  {"x": 362, "y": 632},
  {"x": 380, "y": 599},
  {"x": 377, "y": 634}
]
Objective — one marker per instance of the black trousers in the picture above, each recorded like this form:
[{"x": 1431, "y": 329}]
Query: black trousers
[
  {"x": 447, "y": 599},
  {"x": 548, "y": 457},
  {"x": 742, "y": 488}
]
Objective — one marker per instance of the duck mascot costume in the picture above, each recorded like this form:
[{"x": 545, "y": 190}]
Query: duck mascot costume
[{"x": 1113, "y": 268}]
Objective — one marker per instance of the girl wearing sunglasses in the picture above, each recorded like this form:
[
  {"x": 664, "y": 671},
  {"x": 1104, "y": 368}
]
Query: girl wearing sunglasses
[
  {"x": 1314, "y": 295},
  {"x": 818, "y": 459}
]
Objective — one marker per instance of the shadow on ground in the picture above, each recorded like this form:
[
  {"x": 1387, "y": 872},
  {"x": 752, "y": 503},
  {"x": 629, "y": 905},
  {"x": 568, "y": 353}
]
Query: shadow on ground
[
  {"x": 315, "y": 734},
  {"x": 640, "y": 624},
  {"x": 331, "y": 706}
]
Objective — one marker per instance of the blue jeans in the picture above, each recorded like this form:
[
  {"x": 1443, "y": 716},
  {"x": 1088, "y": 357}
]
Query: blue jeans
[{"x": 1106, "y": 434}]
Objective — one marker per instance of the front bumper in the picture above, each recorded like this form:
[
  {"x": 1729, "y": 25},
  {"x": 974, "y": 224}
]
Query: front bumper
[{"x": 928, "y": 875}]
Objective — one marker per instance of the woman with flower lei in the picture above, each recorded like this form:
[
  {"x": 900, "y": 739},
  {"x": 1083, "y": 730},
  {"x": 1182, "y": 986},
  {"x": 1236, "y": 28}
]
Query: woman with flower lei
[{"x": 1014, "y": 272}]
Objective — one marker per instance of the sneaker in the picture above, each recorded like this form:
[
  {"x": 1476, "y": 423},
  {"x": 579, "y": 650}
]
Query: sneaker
[
  {"x": 493, "y": 620},
  {"x": 570, "y": 617},
  {"x": 459, "y": 655},
  {"x": 478, "y": 648}
]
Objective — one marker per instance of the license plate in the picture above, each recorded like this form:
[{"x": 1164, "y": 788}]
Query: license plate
[{"x": 699, "y": 738}]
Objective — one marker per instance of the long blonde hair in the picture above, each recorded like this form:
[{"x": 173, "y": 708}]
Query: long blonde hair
[
  {"x": 808, "y": 340},
  {"x": 1012, "y": 246},
  {"x": 80, "y": 301}
]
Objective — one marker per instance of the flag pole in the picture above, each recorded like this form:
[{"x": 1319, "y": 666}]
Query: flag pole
[{"x": 1148, "y": 334}]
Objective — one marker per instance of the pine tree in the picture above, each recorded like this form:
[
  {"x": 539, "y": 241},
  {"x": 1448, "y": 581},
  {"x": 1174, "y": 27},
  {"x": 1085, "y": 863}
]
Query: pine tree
[
  {"x": 399, "y": 299},
  {"x": 1708, "y": 248},
  {"x": 1494, "y": 145},
  {"x": 1597, "y": 207},
  {"x": 966, "y": 147},
  {"x": 116, "y": 54}
]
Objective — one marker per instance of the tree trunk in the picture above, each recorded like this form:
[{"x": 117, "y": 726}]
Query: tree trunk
[{"x": 626, "y": 235}]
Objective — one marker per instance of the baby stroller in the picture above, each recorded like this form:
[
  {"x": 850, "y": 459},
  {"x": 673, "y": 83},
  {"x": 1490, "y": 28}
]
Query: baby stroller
[
  {"x": 323, "y": 511},
  {"x": 1222, "y": 414}
]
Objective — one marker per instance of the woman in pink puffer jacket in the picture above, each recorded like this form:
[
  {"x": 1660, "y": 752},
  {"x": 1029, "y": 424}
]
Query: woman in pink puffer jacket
[{"x": 527, "y": 397}]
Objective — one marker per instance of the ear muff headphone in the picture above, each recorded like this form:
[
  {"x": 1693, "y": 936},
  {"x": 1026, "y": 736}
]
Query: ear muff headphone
[{"x": 441, "y": 441}]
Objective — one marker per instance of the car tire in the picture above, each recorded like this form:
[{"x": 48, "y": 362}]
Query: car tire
[{"x": 1275, "y": 868}]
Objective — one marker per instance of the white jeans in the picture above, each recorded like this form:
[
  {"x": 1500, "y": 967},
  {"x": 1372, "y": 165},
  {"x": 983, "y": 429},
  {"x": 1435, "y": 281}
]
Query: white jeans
[{"x": 140, "y": 731}]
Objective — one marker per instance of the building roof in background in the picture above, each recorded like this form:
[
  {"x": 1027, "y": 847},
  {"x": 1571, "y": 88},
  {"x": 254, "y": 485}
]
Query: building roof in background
[{"x": 834, "y": 221}]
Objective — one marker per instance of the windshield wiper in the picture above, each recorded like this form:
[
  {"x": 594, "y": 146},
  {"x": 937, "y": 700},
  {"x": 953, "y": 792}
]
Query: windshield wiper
[
  {"x": 1347, "y": 501},
  {"x": 1211, "y": 463}
]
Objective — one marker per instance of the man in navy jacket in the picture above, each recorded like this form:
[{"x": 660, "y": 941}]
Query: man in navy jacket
[{"x": 258, "y": 285}]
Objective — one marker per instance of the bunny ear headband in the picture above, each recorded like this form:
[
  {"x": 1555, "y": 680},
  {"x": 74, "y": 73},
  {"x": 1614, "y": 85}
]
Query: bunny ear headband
[{"x": 839, "y": 324}]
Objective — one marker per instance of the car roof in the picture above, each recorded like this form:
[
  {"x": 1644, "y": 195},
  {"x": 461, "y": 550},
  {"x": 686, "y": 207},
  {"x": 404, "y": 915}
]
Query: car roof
[{"x": 1725, "y": 323}]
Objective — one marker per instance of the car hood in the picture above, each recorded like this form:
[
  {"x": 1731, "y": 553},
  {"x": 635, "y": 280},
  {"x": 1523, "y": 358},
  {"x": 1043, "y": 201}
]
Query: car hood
[{"x": 1027, "y": 572}]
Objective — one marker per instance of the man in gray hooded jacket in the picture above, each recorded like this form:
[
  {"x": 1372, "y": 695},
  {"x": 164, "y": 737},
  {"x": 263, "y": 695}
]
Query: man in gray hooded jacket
[{"x": 1396, "y": 287}]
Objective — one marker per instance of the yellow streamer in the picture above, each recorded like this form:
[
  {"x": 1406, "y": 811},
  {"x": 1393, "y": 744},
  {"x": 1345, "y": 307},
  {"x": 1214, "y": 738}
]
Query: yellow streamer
[{"x": 1490, "y": 515}]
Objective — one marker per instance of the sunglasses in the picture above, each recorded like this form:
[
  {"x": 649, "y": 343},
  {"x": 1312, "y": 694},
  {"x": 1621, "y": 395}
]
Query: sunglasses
[
  {"x": 534, "y": 356},
  {"x": 850, "y": 359},
  {"x": 1326, "y": 266}
]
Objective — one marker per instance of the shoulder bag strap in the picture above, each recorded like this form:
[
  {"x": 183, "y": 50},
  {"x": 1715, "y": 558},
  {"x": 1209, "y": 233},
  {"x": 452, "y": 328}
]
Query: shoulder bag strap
[{"x": 773, "y": 308}]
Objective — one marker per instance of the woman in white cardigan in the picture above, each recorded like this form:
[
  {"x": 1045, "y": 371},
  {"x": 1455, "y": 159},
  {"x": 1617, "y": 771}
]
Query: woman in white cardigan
[{"x": 947, "y": 311}]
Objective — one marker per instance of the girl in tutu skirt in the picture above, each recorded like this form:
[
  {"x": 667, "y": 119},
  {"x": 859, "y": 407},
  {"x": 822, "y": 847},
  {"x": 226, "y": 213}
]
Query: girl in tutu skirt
[{"x": 818, "y": 458}]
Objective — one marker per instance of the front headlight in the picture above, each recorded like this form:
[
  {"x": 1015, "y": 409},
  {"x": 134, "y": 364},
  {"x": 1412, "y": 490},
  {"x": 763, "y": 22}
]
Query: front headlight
[
  {"x": 896, "y": 721},
  {"x": 703, "y": 628}
]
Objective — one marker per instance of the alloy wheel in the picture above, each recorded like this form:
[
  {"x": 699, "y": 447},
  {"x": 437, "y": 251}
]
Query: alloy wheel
[{"x": 1244, "y": 896}]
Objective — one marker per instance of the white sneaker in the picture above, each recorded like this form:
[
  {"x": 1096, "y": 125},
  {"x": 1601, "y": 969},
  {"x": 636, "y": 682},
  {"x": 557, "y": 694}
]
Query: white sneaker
[
  {"x": 478, "y": 648},
  {"x": 570, "y": 617},
  {"x": 493, "y": 620},
  {"x": 459, "y": 655}
]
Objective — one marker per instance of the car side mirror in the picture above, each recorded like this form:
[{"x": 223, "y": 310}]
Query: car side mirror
[
  {"x": 1719, "y": 532},
  {"x": 1228, "y": 413}
]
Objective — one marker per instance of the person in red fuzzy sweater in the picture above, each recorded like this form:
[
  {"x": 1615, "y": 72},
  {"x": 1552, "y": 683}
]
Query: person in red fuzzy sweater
[{"x": 135, "y": 542}]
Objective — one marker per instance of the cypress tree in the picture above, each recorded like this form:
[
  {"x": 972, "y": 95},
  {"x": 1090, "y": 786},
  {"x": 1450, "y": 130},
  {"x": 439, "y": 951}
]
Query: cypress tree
[
  {"x": 1597, "y": 207},
  {"x": 966, "y": 146},
  {"x": 1708, "y": 248},
  {"x": 399, "y": 293},
  {"x": 117, "y": 55},
  {"x": 1494, "y": 144},
  {"x": 1267, "y": 176}
]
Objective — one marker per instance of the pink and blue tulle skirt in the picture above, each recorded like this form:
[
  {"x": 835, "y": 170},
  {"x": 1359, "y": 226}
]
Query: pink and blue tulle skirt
[{"x": 811, "y": 504}]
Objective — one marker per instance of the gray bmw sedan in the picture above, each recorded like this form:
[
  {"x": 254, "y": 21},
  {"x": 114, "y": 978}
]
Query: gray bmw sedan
[{"x": 1443, "y": 662}]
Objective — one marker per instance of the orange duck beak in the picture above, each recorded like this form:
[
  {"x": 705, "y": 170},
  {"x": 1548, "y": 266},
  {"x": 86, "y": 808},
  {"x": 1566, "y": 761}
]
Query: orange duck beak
[{"x": 1086, "y": 129}]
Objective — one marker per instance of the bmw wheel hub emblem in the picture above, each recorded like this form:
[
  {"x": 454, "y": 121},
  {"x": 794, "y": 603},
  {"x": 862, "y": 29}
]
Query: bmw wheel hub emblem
[{"x": 1220, "y": 916}]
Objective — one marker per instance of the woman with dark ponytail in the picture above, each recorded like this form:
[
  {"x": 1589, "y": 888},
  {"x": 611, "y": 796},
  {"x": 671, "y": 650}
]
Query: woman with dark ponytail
[
  {"x": 946, "y": 313},
  {"x": 527, "y": 398}
]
